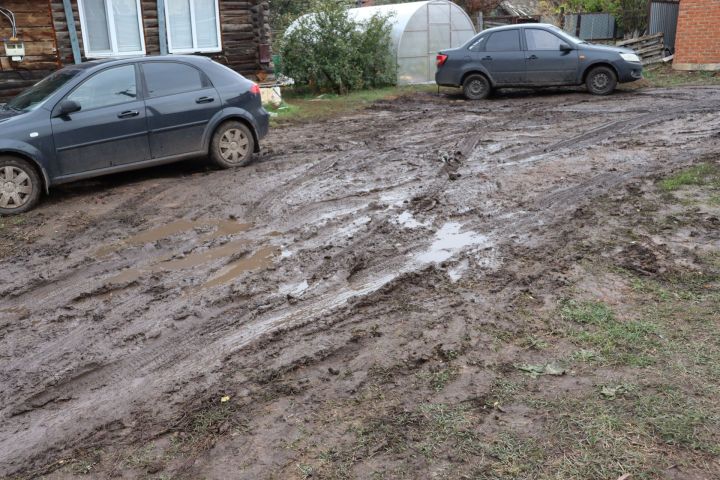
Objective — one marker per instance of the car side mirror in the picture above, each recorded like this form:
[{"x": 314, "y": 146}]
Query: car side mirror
[
  {"x": 67, "y": 107},
  {"x": 564, "y": 47}
]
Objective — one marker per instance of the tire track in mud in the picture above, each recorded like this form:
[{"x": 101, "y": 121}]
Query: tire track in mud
[
  {"x": 157, "y": 367},
  {"x": 603, "y": 132}
]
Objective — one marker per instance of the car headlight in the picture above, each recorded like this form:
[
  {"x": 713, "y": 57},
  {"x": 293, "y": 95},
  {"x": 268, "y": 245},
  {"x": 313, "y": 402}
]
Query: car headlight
[{"x": 630, "y": 57}]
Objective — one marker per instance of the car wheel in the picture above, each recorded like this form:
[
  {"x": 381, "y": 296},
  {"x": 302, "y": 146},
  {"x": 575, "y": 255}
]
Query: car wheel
[
  {"x": 232, "y": 145},
  {"x": 476, "y": 87},
  {"x": 20, "y": 186},
  {"x": 601, "y": 81}
]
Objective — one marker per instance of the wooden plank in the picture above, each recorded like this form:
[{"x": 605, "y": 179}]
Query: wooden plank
[{"x": 639, "y": 39}]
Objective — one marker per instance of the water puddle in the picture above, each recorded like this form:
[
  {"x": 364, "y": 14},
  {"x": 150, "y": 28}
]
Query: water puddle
[
  {"x": 294, "y": 289},
  {"x": 260, "y": 259},
  {"x": 18, "y": 311},
  {"x": 449, "y": 240},
  {"x": 207, "y": 230},
  {"x": 220, "y": 228},
  {"x": 457, "y": 271},
  {"x": 407, "y": 220},
  {"x": 351, "y": 228},
  {"x": 200, "y": 258}
]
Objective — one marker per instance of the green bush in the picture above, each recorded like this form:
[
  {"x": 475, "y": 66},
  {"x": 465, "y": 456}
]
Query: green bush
[{"x": 328, "y": 51}]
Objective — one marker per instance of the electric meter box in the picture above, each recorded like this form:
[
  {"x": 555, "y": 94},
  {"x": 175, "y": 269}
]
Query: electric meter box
[{"x": 15, "y": 50}]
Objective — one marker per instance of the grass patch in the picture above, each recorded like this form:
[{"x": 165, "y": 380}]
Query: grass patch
[
  {"x": 299, "y": 106},
  {"x": 665, "y": 76},
  {"x": 606, "y": 340},
  {"x": 704, "y": 174},
  {"x": 586, "y": 312},
  {"x": 439, "y": 378}
]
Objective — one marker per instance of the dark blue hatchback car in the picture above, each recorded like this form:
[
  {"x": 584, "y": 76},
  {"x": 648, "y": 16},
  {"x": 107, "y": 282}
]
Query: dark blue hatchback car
[{"x": 108, "y": 116}]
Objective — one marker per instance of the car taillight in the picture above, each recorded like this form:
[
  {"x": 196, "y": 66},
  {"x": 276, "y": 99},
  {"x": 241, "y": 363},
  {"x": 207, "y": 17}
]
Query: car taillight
[
  {"x": 440, "y": 59},
  {"x": 255, "y": 89}
]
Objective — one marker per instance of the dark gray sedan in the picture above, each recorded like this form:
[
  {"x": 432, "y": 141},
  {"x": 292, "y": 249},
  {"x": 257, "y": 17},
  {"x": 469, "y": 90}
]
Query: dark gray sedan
[
  {"x": 534, "y": 55},
  {"x": 109, "y": 116}
]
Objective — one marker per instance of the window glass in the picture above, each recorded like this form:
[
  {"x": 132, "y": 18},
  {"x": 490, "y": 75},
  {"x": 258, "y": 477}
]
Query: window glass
[
  {"x": 95, "y": 31},
  {"x": 180, "y": 24},
  {"x": 111, "y": 27},
  {"x": 34, "y": 96},
  {"x": 503, "y": 41},
  {"x": 477, "y": 45},
  {"x": 109, "y": 87},
  {"x": 541, "y": 40},
  {"x": 206, "y": 24},
  {"x": 192, "y": 26},
  {"x": 168, "y": 78},
  {"x": 127, "y": 28}
]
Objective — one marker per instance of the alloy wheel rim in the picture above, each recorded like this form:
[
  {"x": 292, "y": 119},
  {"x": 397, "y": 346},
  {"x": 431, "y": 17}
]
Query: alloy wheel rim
[
  {"x": 477, "y": 87},
  {"x": 600, "y": 81},
  {"x": 15, "y": 187},
  {"x": 234, "y": 145}
]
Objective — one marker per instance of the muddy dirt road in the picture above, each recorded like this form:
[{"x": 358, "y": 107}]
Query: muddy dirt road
[{"x": 130, "y": 304}]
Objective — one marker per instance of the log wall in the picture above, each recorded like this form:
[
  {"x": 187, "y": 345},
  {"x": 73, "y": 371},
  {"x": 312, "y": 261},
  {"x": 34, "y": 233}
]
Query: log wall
[
  {"x": 44, "y": 29},
  {"x": 35, "y": 29}
]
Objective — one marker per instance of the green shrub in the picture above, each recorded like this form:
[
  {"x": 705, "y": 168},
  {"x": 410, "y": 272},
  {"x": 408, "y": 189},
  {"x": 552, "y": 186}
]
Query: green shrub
[{"x": 328, "y": 51}]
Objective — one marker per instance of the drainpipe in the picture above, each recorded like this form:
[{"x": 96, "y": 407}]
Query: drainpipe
[
  {"x": 70, "y": 18},
  {"x": 161, "y": 27}
]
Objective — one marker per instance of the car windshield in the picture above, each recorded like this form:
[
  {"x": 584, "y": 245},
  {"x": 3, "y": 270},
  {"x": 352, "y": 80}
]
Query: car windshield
[
  {"x": 567, "y": 36},
  {"x": 34, "y": 96}
]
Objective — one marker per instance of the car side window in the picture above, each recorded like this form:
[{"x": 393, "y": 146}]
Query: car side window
[
  {"x": 110, "y": 87},
  {"x": 477, "y": 45},
  {"x": 170, "y": 78},
  {"x": 541, "y": 40},
  {"x": 503, "y": 41}
]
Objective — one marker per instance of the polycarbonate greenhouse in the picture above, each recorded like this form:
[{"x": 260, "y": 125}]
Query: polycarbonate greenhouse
[{"x": 419, "y": 31}]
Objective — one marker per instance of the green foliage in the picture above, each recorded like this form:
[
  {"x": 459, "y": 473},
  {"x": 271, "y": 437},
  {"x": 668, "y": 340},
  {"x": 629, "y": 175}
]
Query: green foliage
[{"x": 328, "y": 51}]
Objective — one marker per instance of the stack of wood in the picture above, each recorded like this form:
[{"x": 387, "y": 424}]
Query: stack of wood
[{"x": 650, "y": 49}]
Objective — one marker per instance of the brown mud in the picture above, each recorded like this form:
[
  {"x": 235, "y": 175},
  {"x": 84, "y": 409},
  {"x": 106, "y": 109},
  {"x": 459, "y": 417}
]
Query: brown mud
[{"x": 130, "y": 304}]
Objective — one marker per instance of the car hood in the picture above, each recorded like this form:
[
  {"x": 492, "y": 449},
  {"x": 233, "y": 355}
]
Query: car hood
[
  {"x": 604, "y": 48},
  {"x": 6, "y": 115}
]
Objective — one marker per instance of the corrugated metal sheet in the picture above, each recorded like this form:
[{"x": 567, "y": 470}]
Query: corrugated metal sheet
[
  {"x": 593, "y": 26},
  {"x": 663, "y": 18}
]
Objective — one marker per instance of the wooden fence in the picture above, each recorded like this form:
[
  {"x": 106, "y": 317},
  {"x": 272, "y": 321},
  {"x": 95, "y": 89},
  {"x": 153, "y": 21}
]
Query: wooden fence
[{"x": 650, "y": 49}]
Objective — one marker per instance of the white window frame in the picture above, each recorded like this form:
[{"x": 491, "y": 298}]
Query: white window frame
[
  {"x": 110, "y": 19},
  {"x": 195, "y": 48}
]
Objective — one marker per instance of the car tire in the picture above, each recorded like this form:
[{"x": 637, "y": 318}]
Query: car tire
[
  {"x": 232, "y": 145},
  {"x": 601, "y": 81},
  {"x": 476, "y": 87},
  {"x": 20, "y": 186}
]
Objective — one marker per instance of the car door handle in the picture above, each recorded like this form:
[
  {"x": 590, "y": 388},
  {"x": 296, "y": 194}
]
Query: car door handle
[
  {"x": 128, "y": 114},
  {"x": 205, "y": 100},
  {"x": 532, "y": 57},
  {"x": 487, "y": 57}
]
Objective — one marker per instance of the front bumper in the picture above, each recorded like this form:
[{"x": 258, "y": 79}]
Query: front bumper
[{"x": 628, "y": 72}]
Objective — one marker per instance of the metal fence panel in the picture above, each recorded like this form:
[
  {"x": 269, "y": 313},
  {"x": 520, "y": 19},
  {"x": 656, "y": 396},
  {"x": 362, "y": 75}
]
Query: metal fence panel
[
  {"x": 663, "y": 18},
  {"x": 591, "y": 26}
]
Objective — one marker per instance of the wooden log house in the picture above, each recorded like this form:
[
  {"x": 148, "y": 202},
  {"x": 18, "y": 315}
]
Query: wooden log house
[{"x": 61, "y": 32}]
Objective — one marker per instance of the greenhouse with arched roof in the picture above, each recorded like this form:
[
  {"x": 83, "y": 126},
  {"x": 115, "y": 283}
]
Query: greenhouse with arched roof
[{"x": 419, "y": 31}]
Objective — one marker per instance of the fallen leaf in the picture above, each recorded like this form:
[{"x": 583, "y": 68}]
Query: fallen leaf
[{"x": 537, "y": 370}]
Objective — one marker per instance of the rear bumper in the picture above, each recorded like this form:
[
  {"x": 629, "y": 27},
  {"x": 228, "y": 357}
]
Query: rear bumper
[
  {"x": 446, "y": 77},
  {"x": 262, "y": 119}
]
